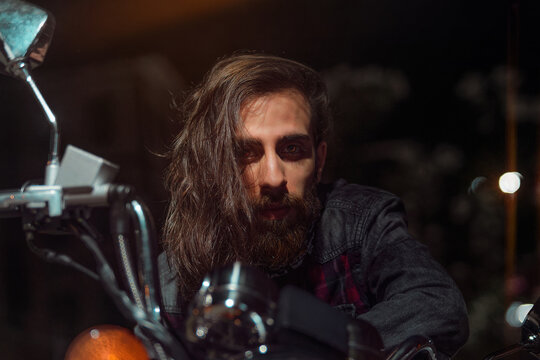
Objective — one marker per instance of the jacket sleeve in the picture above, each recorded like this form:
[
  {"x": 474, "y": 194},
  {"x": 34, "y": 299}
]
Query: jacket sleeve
[{"x": 410, "y": 293}]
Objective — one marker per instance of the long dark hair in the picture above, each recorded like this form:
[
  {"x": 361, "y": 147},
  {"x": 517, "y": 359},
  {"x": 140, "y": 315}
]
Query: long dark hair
[{"x": 209, "y": 216}]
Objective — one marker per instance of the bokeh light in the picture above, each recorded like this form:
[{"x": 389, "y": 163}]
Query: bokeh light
[{"x": 510, "y": 182}]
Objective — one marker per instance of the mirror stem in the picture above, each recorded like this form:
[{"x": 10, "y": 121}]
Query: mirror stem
[{"x": 53, "y": 163}]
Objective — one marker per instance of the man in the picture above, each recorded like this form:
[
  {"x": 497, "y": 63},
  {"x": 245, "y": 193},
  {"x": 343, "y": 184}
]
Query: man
[{"x": 245, "y": 185}]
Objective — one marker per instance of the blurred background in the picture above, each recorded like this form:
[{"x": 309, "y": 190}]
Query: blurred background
[{"x": 432, "y": 100}]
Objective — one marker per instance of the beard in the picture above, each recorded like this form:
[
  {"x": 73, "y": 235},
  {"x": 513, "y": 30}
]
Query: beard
[{"x": 280, "y": 243}]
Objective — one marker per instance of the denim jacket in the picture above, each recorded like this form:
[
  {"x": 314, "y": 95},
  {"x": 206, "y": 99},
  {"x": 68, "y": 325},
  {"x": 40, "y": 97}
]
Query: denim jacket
[{"x": 364, "y": 262}]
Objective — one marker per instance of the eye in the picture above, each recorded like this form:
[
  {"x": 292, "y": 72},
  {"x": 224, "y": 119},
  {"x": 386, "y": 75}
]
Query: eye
[
  {"x": 294, "y": 151},
  {"x": 248, "y": 155},
  {"x": 291, "y": 149}
]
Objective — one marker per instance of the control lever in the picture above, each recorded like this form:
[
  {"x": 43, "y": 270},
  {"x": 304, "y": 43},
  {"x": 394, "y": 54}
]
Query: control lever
[
  {"x": 530, "y": 337},
  {"x": 83, "y": 180}
]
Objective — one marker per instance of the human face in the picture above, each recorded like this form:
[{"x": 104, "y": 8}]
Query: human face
[{"x": 278, "y": 154}]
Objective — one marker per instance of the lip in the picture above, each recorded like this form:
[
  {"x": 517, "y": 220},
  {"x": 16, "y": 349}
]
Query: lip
[{"x": 275, "y": 212}]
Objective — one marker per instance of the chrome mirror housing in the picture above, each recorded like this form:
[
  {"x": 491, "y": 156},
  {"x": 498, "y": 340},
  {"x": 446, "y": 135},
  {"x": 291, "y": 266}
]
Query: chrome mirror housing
[
  {"x": 530, "y": 331},
  {"x": 25, "y": 34}
]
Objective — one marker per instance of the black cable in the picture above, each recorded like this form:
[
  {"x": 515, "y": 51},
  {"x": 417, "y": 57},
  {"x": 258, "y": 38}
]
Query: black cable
[
  {"x": 129, "y": 310},
  {"x": 53, "y": 257},
  {"x": 106, "y": 274},
  {"x": 507, "y": 351}
]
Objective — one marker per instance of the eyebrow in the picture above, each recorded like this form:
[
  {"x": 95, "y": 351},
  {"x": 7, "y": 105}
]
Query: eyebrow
[
  {"x": 295, "y": 137},
  {"x": 286, "y": 138},
  {"x": 245, "y": 143}
]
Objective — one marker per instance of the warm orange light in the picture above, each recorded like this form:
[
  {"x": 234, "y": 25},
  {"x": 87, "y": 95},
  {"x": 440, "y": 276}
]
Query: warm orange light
[{"x": 106, "y": 342}]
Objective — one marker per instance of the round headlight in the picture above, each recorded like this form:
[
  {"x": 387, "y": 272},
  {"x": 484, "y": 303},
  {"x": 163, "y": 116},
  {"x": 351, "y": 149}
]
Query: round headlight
[{"x": 233, "y": 311}]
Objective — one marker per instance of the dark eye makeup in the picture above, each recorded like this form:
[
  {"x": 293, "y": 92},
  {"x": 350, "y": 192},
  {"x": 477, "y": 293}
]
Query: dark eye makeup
[
  {"x": 294, "y": 147},
  {"x": 249, "y": 151},
  {"x": 289, "y": 148}
]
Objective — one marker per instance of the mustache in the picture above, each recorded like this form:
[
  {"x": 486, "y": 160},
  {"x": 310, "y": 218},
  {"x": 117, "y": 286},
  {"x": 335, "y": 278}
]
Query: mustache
[{"x": 283, "y": 200}]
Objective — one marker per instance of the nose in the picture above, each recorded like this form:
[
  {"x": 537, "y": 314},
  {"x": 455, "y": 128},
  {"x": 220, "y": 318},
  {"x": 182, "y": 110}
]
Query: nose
[{"x": 273, "y": 179}]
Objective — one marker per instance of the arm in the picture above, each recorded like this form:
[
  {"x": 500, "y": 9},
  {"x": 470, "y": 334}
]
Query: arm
[{"x": 410, "y": 292}]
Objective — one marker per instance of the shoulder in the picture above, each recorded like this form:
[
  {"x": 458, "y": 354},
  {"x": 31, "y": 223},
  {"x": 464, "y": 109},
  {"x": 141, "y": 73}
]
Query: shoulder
[
  {"x": 354, "y": 216},
  {"x": 345, "y": 196}
]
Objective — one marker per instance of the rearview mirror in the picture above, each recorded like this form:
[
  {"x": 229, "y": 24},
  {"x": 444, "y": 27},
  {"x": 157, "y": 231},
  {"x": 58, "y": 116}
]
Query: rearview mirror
[{"x": 25, "y": 34}]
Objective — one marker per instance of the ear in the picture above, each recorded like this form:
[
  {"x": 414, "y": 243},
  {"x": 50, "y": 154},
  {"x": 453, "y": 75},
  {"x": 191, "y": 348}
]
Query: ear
[{"x": 320, "y": 160}]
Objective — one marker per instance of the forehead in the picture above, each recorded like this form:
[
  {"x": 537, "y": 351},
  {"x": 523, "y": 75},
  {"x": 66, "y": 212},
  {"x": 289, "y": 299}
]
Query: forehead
[{"x": 277, "y": 114}]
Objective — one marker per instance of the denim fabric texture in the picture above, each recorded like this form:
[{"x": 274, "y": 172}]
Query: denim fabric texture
[{"x": 364, "y": 262}]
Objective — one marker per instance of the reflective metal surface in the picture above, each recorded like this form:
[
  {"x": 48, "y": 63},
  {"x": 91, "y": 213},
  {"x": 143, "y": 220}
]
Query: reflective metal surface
[
  {"x": 530, "y": 331},
  {"x": 233, "y": 311},
  {"x": 530, "y": 337},
  {"x": 143, "y": 235},
  {"x": 25, "y": 35}
]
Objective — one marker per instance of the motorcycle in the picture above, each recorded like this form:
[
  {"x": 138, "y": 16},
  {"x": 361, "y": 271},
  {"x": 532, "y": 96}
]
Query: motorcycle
[{"x": 237, "y": 314}]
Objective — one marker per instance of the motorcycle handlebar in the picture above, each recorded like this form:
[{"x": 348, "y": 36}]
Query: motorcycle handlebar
[{"x": 54, "y": 198}]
